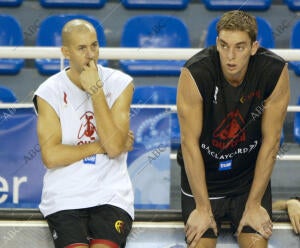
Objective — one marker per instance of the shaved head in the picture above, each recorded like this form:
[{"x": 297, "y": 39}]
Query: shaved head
[{"x": 75, "y": 25}]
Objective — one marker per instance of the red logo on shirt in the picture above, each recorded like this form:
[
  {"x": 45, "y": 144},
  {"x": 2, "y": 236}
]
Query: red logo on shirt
[
  {"x": 87, "y": 130},
  {"x": 230, "y": 132},
  {"x": 65, "y": 98},
  {"x": 250, "y": 96}
]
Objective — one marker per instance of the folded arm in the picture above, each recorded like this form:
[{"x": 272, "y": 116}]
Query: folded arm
[
  {"x": 112, "y": 124},
  {"x": 54, "y": 153}
]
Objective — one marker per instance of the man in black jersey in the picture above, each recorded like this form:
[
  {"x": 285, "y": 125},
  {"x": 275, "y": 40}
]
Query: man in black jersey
[{"x": 232, "y": 100}]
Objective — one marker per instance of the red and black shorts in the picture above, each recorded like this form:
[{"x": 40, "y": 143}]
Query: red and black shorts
[{"x": 105, "y": 224}]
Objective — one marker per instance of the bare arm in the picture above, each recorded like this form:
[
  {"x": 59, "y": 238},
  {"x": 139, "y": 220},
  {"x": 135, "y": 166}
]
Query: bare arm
[
  {"x": 275, "y": 109},
  {"x": 279, "y": 205},
  {"x": 112, "y": 125},
  {"x": 190, "y": 113},
  {"x": 293, "y": 208},
  {"x": 54, "y": 153},
  {"x": 189, "y": 108},
  {"x": 272, "y": 122}
]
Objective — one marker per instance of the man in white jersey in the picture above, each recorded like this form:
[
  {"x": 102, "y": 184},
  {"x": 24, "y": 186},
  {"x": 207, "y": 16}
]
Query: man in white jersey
[{"x": 83, "y": 130}]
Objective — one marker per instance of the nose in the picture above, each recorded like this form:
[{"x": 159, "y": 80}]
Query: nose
[
  {"x": 231, "y": 54},
  {"x": 90, "y": 53}
]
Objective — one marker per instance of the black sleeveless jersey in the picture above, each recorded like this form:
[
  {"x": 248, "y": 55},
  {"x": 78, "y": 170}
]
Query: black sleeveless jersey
[{"x": 232, "y": 116}]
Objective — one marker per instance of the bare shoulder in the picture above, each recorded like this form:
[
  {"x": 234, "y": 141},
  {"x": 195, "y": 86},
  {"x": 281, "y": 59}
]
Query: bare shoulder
[
  {"x": 187, "y": 91},
  {"x": 44, "y": 106},
  {"x": 281, "y": 93}
]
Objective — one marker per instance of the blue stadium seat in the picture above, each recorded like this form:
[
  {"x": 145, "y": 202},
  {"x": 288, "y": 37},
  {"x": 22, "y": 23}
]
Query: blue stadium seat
[
  {"x": 154, "y": 31},
  {"x": 10, "y": 3},
  {"x": 295, "y": 44},
  {"x": 237, "y": 4},
  {"x": 155, "y": 4},
  {"x": 293, "y": 5},
  {"x": 297, "y": 124},
  {"x": 49, "y": 34},
  {"x": 7, "y": 95},
  {"x": 160, "y": 94},
  {"x": 211, "y": 33},
  {"x": 72, "y": 3},
  {"x": 10, "y": 35},
  {"x": 264, "y": 36}
]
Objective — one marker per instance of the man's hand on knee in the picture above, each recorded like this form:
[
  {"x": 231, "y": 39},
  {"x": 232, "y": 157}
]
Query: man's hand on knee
[
  {"x": 197, "y": 224},
  {"x": 258, "y": 218}
]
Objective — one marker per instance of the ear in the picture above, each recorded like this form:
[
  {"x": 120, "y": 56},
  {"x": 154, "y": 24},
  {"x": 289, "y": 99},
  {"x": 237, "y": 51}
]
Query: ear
[
  {"x": 255, "y": 46},
  {"x": 65, "y": 52}
]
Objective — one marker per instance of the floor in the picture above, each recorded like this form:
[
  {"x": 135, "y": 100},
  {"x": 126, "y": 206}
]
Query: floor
[{"x": 35, "y": 234}]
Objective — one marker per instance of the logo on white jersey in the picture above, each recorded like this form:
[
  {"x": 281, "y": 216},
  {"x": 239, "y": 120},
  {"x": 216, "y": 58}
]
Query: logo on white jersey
[{"x": 87, "y": 130}]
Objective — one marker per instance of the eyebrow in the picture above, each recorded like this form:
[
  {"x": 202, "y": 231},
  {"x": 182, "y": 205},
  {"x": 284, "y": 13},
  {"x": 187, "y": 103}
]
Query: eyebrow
[
  {"x": 84, "y": 45},
  {"x": 237, "y": 44}
]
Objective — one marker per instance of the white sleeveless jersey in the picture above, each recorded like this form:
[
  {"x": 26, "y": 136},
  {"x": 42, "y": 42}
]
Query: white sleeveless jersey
[{"x": 95, "y": 180}]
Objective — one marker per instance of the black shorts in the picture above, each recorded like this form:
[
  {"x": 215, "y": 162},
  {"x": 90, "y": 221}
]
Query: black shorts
[
  {"x": 229, "y": 209},
  {"x": 105, "y": 224}
]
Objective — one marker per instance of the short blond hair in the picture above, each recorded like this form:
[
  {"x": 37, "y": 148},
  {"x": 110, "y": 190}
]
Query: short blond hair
[
  {"x": 237, "y": 20},
  {"x": 75, "y": 25}
]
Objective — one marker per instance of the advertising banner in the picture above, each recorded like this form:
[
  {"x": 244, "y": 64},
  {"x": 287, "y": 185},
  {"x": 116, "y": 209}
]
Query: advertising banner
[
  {"x": 22, "y": 170},
  {"x": 149, "y": 162}
]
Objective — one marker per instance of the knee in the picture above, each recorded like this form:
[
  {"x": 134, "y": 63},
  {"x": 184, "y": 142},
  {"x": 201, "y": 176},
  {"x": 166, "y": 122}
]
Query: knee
[
  {"x": 252, "y": 240},
  {"x": 206, "y": 243}
]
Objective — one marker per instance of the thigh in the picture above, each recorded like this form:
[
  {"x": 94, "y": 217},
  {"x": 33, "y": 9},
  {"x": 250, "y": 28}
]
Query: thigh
[
  {"x": 253, "y": 240},
  {"x": 238, "y": 205},
  {"x": 109, "y": 225},
  {"x": 68, "y": 227},
  {"x": 207, "y": 243},
  {"x": 188, "y": 204}
]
